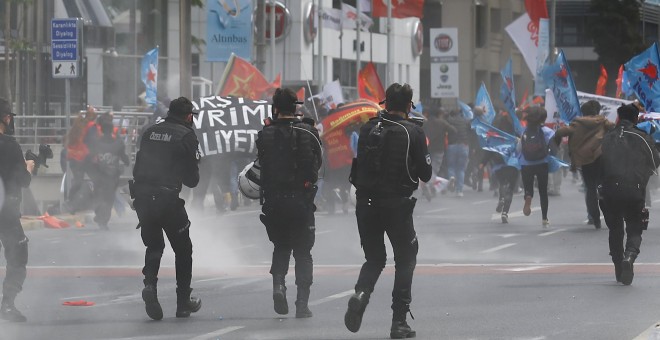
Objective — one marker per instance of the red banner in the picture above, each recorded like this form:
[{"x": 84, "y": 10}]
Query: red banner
[
  {"x": 242, "y": 79},
  {"x": 400, "y": 9},
  {"x": 619, "y": 81},
  {"x": 337, "y": 128},
  {"x": 536, "y": 9},
  {"x": 602, "y": 81},
  {"x": 369, "y": 85}
]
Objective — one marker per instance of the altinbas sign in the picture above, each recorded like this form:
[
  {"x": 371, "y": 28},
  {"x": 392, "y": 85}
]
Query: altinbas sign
[
  {"x": 228, "y": 125},
  {"x": 229, "y": 29}
]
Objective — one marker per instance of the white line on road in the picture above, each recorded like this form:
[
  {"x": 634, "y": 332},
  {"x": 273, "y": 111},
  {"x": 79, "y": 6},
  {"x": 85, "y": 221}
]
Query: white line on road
[
  {"x": 219, "y": 332},
  {"x": 551, "y": 232},
  {"x": 480, "y": 202},
  {"x": 332, "y": 297},
  {"x": 507, "y": 235},
  {"x": 524, "y": 269},
  {"x": 494, "y": 249},
  {"x": 436, "y": 210},
  {"x": 323, "y": 232}
]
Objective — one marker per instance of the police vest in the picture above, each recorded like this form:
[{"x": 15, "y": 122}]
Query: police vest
[
  {"x": 287, "y": 156},
  {"x": 161, "y": 153},
  {"x": 383, "y": 164}
]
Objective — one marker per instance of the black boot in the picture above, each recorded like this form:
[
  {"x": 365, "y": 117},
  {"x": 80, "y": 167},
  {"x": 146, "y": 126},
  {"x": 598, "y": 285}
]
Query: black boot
[
  {"x": 9, "y": 312},
  {"x": 302, "y": 309},
  {"x": 400, "y": 328},
  {"x": 616, "y": 260},
  {"x": 152, "y": 306},
  {"x": 627, "y": 267},
  {"x": 356, "y": 306},
  {"x": 279, "y": 295},
  {"x": 186, "y": 304}
]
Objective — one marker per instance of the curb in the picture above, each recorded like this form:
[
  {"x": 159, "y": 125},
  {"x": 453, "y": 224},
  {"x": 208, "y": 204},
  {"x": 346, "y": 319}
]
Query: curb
[{"x": 34, "y": 223}]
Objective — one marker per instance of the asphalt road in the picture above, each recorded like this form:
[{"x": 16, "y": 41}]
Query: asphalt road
[{"x": 476, "y": 278}]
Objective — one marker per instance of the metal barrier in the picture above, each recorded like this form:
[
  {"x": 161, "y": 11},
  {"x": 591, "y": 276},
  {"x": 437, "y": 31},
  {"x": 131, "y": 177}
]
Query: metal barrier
[{"x": 34, "y": 130}]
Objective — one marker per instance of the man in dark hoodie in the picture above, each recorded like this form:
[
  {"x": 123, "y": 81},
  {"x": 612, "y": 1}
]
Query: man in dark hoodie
[
  {"x": 457, "y": 150},
  {"x": 585, "y": 135}
]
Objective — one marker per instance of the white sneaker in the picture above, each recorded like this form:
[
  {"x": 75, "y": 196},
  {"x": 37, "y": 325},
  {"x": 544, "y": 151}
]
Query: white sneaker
[
  {"x": 459, "y": 194},
  {"x": 545, "y": 223}
]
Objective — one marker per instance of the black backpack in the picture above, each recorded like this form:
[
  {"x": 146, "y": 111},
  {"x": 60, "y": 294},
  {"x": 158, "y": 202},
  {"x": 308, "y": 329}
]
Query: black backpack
[{"x": 534, "y": 147}]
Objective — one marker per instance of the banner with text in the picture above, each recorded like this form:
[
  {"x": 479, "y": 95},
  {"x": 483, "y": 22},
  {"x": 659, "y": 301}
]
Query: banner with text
[
  {"x": 229, "y": 30},
  {"x": 444, "y": 63}
]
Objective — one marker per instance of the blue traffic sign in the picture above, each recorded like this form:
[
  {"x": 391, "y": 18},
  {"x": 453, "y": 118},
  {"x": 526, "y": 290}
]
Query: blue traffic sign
[{"x": 65, "y": 35}]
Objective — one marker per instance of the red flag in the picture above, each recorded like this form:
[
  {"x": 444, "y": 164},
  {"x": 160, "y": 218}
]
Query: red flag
[
  {"x": 619, "y": 81},
  {"x": 536, "y": 9},
  {"x": 400, "y": 9},
  {"x": 523, "y": 103},
  {"x": 369, "y": 85},
  {"x": 301, "y": 94},
  {"x": 242, "y": 79},
  {"x": 602, "y": 81}
]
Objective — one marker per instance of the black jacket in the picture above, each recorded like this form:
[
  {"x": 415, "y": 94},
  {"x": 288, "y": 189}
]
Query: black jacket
[
  {"x": 168, "y": 156},
  {"x": 392, "y": 157},
  {"x": 629, "y": 156},
  {"x": 12, "y": 167},
  {"x": 461, "y": 132},
  {"x": 436, "y": 129}
]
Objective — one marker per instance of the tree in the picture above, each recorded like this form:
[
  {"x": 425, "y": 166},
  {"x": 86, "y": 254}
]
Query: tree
[{"x": 614, "y": 29}]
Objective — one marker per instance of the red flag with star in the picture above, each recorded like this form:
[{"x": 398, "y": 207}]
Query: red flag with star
[
  {"x": 242, "y": 79},
  {"x": 369, "y": 85},
  {"x": 602, "y": 81},
  {"x": 400, "y": 8}
]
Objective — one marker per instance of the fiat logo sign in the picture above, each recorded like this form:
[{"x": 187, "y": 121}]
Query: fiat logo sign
[
  {"x": 443, "y": 43},
  {"x": 282, "y": 20}
]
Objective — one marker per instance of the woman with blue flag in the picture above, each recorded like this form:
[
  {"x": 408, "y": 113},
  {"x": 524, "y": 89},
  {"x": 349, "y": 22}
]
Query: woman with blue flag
[{"x": 533, "y": 148}]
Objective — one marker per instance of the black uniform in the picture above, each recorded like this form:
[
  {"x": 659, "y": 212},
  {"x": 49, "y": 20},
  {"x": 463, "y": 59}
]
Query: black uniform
[
  {"x": 167, "y": 158},
  {"x": 289, "y": 152},
  {"x": 392, "y": 158},
  {"x": 14, "y": 177},
  {"x": 105, "y": 171},
  {"x": 629, "y": 158}
]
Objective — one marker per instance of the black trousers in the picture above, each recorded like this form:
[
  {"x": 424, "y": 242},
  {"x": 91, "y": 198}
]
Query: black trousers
[
  {"x": 591, "y": 173},
  {"x": 15, "y": 242},
  {"x": 393, "y": 216},
  {"x": 507, "y": 178},
  {"x": 623, "y": 204},
  {"x": 158, "y": 213},
  {"x": 290, "y": 224},
  {"x": 105, "y": 188},
  {"x": 540, "y": 171}
]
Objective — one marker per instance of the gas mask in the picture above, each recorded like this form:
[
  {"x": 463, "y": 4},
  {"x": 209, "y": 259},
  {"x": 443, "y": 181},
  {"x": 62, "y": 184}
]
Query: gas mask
[{"x": 9, "y": 128}]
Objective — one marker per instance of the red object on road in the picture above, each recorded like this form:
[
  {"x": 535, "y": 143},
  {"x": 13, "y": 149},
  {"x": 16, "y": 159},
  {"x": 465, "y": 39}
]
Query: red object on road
[{"x": 79, "y": 303}]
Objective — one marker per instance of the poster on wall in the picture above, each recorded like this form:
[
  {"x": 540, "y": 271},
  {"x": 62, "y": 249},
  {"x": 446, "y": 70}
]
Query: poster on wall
[
  {"x": 444, "y": 62},
  {"x": 229, "y": 29}
]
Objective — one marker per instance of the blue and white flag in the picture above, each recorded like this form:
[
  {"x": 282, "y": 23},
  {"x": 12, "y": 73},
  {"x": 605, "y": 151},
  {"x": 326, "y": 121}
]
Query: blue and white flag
[
  {"x": 555, "y": 163},
  {"x": 466, "y": 110},
  {"x": 150, "y": 76},
  {"x": 508, "y": 96},
  {"x": 485, "y": 104},
  {"x": 493, "y": 139},
  {"x": 558, "y": 78},
  {"x": 642, "y": 73}
]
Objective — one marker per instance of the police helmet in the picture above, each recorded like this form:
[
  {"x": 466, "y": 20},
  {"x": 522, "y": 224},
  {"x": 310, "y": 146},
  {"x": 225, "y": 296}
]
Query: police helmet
[{"x": 249, "y": 180}]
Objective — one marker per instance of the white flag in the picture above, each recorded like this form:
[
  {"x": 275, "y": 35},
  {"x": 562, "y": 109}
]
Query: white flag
[
  {"x": 331, "y": 18},
  {"x": 525, "y": 37},
  {"x": 333, "y": 95},
  {"x": 349, "y": 18}
]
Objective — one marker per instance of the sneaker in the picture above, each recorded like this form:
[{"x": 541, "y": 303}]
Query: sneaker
[
  {"x": 527, "y": 208},
  {"x": 505, "y": 218},
  {"x": 152, "y": 306},
  {"x": 10, "y": 313},
  {"x": 401, "y": 330},
  {"x": 545, "y": 223},
  {"x": 459, "y": 194},
  {"x": 356, "y": 306},
  {"x": 452, "y": 184}
]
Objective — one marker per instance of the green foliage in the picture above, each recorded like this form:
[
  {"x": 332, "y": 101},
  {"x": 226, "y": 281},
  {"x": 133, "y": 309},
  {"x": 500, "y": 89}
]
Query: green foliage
[
  {"x": 614, "y": 28},
  {"x": 198, "y": 43},
  {"x": 197, "y": 3}
]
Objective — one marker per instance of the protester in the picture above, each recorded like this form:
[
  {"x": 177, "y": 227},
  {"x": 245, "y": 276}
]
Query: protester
[{"x": 457, "y": 150}]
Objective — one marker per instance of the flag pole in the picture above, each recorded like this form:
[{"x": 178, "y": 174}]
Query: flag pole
[
  {"x": 358, "y": 48},
  {"x": 320, "y": 49},
  {"x": 389, "y": 43}
]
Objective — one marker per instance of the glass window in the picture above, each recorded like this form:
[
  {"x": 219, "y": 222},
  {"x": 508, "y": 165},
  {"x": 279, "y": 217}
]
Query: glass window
[{"x": 495, "y": 20}]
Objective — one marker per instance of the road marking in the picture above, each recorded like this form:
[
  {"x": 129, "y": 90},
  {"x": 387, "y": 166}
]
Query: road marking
[
  {"x": 243, "y": 247},
  {"x": 494, "y": 249},
  {"x": 507, "y": 235},
  {"x": 332, "y": 297},
  {"x": 524, "y": 269},
  {"x": 551, "y": 232},
  {"x": 480, "y": 202},
  {"x": 651, "y": 330},
  {"x": 436, "y": 210},
  {"x": 323, "y": 232},
  {"x": 513, "y": 214},
  {"x": 219, "y": 332}
]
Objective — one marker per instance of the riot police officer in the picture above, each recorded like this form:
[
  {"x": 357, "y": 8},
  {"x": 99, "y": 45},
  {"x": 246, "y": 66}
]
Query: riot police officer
[
  {"x": 168, "y": 157},
  {"x": 289, "y": 151},
  {"x": 392, "y": 157},
  {"x": 15, "y": 172},
  {"x": 628, "y": 160}
]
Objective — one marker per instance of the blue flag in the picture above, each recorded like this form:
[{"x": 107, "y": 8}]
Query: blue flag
[
  {"x": 651, "y": 127},
  {"x": 558, "y": 78},
  {"x": 555, "y": 163},
  {"x": 485, "y": 104},
  {"x": 466, "y": 110},
  {"x": 496, "y": 140},
  {"x": 150, "y": 76},
  {"x": 642, "y": 73},
  {"x": 508, "y": 96}
]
